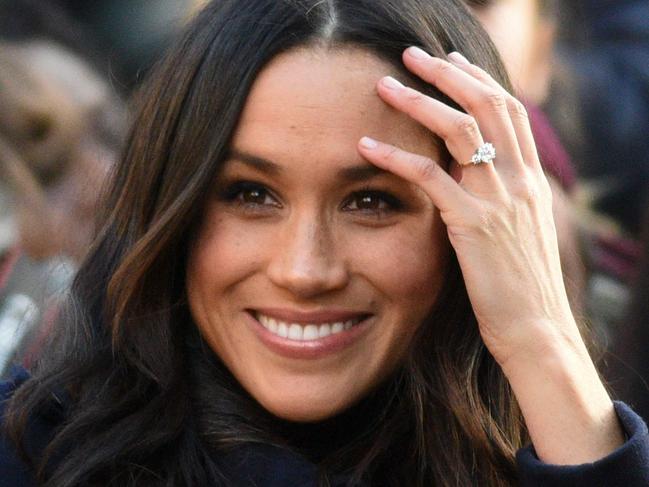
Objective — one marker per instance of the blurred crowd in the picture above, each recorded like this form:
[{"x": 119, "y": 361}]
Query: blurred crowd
[{"x": 69, "y": 67}]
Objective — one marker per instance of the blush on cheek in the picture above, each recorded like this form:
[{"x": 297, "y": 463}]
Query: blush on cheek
[
  {"x": 227, "y": 248},
  {"x": 417, "y": 282},
  {"x": 406, "y": 263}
]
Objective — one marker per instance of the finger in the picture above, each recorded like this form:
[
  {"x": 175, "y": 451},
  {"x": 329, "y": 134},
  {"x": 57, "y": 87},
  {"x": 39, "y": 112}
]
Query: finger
[
  {"x": 517, "y": 111},
  {"x": 487, "y": 105},
  {"x": 459, "y": 130},
  {"x": 443, "y": 190}
]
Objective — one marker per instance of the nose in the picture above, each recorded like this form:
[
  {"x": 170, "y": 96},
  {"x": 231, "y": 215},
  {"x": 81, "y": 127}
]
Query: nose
[{"x": 306, "y": 261}]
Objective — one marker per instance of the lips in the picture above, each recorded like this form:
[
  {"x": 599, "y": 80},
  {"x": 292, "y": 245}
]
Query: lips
[
  {"x": 308, "y": 335},
  {"x": 305, "y": 331}
]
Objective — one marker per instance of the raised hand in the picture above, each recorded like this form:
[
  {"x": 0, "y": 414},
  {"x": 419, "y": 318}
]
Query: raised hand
[{"x": 499, "y": 220}]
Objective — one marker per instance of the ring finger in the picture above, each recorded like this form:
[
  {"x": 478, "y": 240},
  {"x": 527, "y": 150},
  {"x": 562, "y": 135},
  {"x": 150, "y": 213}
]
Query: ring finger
[
  {"x": 486, "y": 104},
  {"x": 517, "y": 111},
  {"x": 459, "y": 130}
]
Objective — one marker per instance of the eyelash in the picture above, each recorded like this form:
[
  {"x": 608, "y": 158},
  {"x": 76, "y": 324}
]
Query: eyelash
[
  {"x": 391, "y": 203},
  {"x": 234, "y": 194}
]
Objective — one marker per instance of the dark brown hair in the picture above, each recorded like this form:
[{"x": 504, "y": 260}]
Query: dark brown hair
[
  {"x": 630, "y": 377},
  {"x": 147, "y": 402}
]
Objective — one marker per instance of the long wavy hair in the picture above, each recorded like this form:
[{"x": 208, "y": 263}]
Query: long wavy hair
[{"x": 142, "y": 400}]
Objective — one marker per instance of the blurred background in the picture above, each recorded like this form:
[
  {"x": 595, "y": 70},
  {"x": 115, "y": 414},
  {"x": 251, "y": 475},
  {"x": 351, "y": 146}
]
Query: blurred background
[{"x": 69, "y": 67}]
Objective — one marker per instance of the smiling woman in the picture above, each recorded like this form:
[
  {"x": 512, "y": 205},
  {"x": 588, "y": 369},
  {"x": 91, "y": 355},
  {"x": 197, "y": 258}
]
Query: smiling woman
[
  {"x": 300, "y": 238},
  {"x": 302, "y": 279}
]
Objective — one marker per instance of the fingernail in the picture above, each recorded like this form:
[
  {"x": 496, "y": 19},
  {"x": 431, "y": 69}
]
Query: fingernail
[
  {"x": 369, "y": 143},
  {"x": 457, "y": 58},
  {"x": 418, "y": 53},
  {"x": 391, "y": 83}
]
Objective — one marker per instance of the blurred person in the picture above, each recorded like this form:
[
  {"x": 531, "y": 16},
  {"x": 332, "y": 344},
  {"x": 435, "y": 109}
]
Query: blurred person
[
  {"x": 58, "y": 123},
  {"x": 132, "y": 33},
  {"x": 328, "y": 257},
  {"x": 524, "y": 32},
  {"x": 604, "y": 50},
  {"x": 604, "y": 53},
  {"x": 60, "y": 129},
  {"x": 604, "y": 59},
  {"x": 33, "y": 20}
]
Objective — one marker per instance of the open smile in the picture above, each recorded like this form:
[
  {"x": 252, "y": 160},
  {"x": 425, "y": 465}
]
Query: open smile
[
  {"x": 308, "y": 335},
  {"x": 305, "y": 331}
]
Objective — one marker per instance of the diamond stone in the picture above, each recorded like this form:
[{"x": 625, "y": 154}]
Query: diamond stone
[{"x": 486, "y": 153}]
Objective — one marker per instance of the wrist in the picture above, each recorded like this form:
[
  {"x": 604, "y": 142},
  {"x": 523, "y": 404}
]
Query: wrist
[
  {"x": 568, "y": 412},
  {"x": 561, "y": 363},
  {"x": 538, "y": 341}
]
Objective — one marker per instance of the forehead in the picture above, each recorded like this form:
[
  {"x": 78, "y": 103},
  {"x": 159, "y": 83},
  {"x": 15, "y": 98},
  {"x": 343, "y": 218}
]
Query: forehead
[{"x": 323, "y": 101}]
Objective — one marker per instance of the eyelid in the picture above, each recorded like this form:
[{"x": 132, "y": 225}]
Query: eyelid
[
  {"x": 394, "y": 203},
  {"x": 235, "y": 188}
]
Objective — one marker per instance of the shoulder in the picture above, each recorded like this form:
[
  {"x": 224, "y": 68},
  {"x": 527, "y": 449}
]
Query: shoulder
[{"x": 15, "y": 472}]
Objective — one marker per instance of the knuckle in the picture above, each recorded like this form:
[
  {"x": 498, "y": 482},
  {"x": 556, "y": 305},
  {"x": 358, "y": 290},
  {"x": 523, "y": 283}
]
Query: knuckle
[
  {"x": 444, "y": 67},
  {"x": 517, "y": 109},
  {"x": 526, "y": 191},
  {"x": 391, "y": 153},
  {"x": 481, "y": 75},
  {"x": 414, "y": 97},
  {"x": 495, "y": 101},
  {"x": 467, "y": 126},
  {"x": 425, "y": 168}
]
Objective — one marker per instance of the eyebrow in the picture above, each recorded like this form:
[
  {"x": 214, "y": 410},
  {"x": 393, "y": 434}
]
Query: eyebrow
[{"x": 358, "y": 173}]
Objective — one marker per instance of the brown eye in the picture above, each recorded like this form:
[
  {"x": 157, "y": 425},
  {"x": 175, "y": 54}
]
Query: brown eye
[
  {"x": 372, "y": 201},
  {"x": 250, "y": 194},
  {"x": 253, "y": 195}
]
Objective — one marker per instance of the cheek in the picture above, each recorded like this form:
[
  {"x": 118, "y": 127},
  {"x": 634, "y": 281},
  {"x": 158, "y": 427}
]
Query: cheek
[
  {"x": 224, "y": 254},
  {"x": 405, "y": 262},
  {"x": 224, "y": 251}
]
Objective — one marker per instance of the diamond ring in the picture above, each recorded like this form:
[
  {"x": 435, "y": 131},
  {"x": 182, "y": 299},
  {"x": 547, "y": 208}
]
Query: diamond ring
[{"x": 486, "y": 153}]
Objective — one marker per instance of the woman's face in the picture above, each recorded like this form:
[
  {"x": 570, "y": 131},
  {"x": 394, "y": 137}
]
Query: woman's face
[{"x": 312, "y": 269}]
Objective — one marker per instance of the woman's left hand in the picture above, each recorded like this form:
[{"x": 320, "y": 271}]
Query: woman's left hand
[
  {"x": 499, "y": 215},
  {"x": 499, "y": 221}
]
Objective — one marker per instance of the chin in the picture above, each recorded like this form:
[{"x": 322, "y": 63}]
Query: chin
[{"x": 305, "y": 409}]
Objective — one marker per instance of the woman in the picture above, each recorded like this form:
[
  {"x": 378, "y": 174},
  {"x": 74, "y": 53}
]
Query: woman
[{"x": 274, "y": 298}]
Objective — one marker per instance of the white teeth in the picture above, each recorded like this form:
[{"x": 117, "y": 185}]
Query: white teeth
[
  {"x": 272, "y": 325},
  {"x": 337, "y": 327},
  {"x": 295, "y": 332},
  {"x": 310, "y": 332},
  {"x": 307, "y": 332},
  {"x": 324, "y": 330},
  {"x": 282, "y": 330}
]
